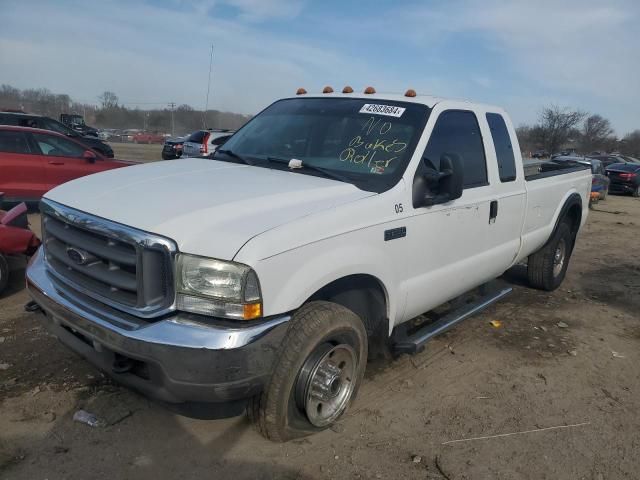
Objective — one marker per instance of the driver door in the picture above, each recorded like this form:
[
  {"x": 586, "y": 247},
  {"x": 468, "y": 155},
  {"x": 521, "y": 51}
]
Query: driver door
[
  {"x": 448, "y": 241},
  {"x": 64, "y": 159}
]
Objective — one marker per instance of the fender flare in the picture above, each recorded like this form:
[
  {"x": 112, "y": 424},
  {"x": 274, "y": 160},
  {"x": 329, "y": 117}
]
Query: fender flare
[{"x": 571, "y": 201}]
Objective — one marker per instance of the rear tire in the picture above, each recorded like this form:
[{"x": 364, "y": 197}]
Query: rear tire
[
  {"x": 636, "y": 192},
  {"x": 547, "y": 267},
  {"x": 317, "y": 374},
  {"x": 4, "y": 273}
]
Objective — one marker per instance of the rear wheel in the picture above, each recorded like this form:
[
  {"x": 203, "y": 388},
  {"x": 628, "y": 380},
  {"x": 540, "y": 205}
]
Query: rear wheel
[
  {"x": 4, "y": 273},
  {"x": 547, "y": 267},
  {"x": 636, "y": 192},
  {"x": 317, "y": 375}
]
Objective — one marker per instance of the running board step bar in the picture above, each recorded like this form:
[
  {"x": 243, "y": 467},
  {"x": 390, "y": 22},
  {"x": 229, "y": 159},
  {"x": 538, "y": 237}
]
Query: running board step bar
[{"x": 414, "y": 343}]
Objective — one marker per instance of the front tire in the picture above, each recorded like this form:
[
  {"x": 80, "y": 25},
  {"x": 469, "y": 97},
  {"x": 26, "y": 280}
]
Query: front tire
[
  {"x": 4, "y": 273},
  {"x": 317, "y": 374},
  {"x": 547, "y": 267}
]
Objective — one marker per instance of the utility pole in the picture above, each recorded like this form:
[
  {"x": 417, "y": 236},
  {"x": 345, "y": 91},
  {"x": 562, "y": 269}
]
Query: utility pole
[
  {"x": 172, "y": 105},
  {"x": 206, "y": 105}
]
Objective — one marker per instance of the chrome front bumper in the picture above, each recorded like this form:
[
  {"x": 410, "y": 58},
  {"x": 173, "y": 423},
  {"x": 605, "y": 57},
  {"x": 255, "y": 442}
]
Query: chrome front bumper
[{"x": 176, "y": 359}]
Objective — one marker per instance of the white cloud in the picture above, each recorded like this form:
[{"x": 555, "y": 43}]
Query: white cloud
[{"x": 147, "y": 54}]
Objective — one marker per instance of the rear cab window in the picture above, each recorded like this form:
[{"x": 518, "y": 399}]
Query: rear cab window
[{"x": 503, "y": 147}]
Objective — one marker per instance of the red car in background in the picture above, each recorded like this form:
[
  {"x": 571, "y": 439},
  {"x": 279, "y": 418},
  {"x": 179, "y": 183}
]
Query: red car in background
[
  {"x": 33, "y": 161},
  {"x": 148, "y": 137}
]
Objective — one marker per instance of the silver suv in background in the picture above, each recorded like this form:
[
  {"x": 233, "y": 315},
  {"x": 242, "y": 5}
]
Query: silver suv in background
[{"x": 204, "y": 142}]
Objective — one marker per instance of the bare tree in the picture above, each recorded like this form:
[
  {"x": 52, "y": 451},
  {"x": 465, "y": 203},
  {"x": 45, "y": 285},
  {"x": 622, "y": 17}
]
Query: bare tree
[
  {"x": 630, "y": 144},
  {"x": 556, "y": 125},
  {"x": 108, "y": 100},
  {"x": 596, "y": 134}
]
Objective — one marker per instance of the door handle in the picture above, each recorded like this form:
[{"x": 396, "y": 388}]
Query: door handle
[
  {"x": 56, "y": 162},
  {"x": 493, "y": 211}
]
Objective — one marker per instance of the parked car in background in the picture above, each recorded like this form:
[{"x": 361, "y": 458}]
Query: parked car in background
[
  {"x": 46, "y": 123},
  {"x": 204, "y": 142},
  {"x": 172, "y": 148},
  {"x": 148, "y": 137},
  {"x": 15, "y": 238},
  {"x": 599, "y": 179},
  {"x": 540, "y": 154},
  {"x": 625, "y": 178},
  {"x": 76, "y": 122},
  {"x": 608, "y": 160},
  {"x": 33, "y": 161}
]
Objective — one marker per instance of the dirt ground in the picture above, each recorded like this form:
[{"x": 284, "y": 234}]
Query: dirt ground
[{"x": 552, "y": 393}]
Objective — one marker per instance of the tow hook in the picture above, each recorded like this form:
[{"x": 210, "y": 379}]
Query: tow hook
[
  {"x": 32, "y": 307},
  {"x": 122, "y": 364}
]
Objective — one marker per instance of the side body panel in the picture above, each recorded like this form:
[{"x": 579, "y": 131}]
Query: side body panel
[
  {"x": 545, "y": 199},
  {"x": 22, "y": 176}
]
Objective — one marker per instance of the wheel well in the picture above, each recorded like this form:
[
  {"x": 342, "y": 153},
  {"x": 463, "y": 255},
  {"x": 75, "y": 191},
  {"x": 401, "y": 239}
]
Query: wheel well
[
  {"x": 574, "y": 215},
  {"x": 365, "y": 296}
]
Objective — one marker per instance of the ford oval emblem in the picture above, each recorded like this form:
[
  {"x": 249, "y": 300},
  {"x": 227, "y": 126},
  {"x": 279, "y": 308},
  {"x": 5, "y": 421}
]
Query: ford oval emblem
[{"x": 77, "y": 256}]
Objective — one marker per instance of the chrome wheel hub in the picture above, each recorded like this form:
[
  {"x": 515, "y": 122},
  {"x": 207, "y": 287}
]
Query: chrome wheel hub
[
  {"x": 326, "y": 383},
  {"x": 558, "y": 258}
]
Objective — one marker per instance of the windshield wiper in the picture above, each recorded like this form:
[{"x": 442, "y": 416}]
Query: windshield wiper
[
  {"x": 325, "y": 172},
  {"x": 232, "y": 154}
]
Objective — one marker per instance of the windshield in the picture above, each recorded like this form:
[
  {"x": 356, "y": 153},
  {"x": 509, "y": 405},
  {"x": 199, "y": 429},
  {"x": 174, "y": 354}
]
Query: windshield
[
  {"x": 365, "y": 142},
  {"x": 50, "y": 124}
]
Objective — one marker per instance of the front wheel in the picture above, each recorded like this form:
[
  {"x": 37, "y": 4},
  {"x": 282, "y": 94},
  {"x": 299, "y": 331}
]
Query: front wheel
[
  {"x": 317, "y": 374},
  {"x": 547, "y": 267}
]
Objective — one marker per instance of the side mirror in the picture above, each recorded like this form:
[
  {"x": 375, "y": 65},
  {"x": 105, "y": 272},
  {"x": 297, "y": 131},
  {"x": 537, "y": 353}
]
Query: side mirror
[
  {"x": 432, "y": 186},
  {"x": 89, "y": 156}
]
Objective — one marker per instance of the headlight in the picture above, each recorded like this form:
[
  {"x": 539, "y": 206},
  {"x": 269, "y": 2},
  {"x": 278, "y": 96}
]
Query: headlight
[{"x": 217, "y": 288}]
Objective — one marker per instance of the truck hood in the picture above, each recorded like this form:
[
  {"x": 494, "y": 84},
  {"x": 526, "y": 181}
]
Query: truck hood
[{"x": 210, "y": 208}]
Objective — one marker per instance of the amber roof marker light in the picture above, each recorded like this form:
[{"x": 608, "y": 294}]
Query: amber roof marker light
[
  {"x": 369, "y": 90},
  {"x": 301, "y": 91},
  {"x": 327, "y": 89},
  {"x": 347, "y": 89},
  {"x": 410, "y": 93}
]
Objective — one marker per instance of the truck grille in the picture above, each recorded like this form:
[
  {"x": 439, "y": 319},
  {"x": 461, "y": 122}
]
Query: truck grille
[{"x": 125, "y": 268}]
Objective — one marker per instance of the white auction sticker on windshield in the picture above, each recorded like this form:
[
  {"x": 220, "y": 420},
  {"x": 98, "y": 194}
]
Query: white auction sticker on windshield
[{"x": 388, "y": 110}]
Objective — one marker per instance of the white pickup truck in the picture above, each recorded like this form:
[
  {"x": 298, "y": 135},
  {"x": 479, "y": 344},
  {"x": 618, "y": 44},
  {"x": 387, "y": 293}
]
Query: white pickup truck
[{"x": 265, "y": 277}]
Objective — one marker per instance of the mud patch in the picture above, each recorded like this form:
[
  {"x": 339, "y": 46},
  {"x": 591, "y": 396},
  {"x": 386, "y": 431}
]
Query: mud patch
[{"x": 617, "y": 285}]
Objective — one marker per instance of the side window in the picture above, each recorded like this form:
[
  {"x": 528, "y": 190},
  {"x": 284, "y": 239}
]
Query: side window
[
  {"x": 457, "y": 131},
  {"x": 13, "y": 142},
  {"x": 504, "y": 149},
  {"x": 55, "y": 146}
]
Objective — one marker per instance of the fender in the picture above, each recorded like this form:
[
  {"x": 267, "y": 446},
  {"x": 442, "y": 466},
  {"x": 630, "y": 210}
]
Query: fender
[{"x": 572, "y": 200}]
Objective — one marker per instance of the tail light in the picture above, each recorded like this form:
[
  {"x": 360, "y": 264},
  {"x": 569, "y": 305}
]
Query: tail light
[
  {"x": 204, "y": 148},
  {"x": 628, "y": 176}
]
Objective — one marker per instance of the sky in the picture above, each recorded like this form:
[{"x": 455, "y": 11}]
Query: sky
[{"x": 520, "y": 55}]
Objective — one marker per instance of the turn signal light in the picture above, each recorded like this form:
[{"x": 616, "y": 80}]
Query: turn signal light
[
  {"x": 327, "y": 89},
  {"x": 252, "y": 310},
  {"x": 347, "y": 89},
  {"x": 410, "y": 93},
  {"x": 301, "y": 91},
  {"x": 369, "y": 90}
]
